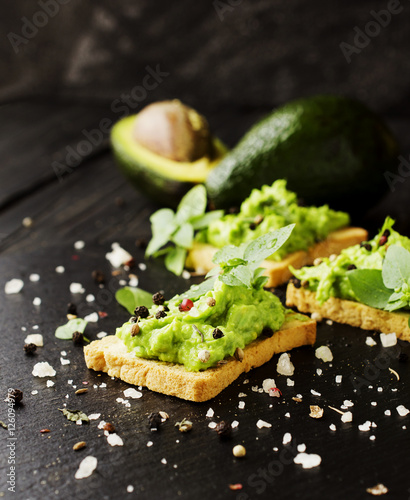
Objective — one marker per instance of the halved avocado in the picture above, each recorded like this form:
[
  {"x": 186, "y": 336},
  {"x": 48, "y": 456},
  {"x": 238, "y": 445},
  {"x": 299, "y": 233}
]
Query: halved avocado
[{"x": 162, "y": 179}]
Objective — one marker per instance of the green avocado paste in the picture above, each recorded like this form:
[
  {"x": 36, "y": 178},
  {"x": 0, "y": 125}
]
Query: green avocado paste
[
  {"x": 217, "y": 323},
  {"x": 329, "y": 278},
  {"x": 270, "y": 208}
]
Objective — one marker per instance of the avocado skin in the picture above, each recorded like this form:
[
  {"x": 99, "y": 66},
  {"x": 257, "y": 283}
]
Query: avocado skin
[{"x": 331, "y": 149}]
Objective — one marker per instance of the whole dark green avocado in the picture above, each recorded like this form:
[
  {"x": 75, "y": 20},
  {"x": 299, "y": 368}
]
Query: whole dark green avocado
[{"x": 331, "y": 149}]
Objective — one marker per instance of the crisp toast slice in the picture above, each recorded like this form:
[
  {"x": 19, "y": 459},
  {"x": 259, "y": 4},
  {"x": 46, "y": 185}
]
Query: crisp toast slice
[
  {"x": 200, "y": 256},
  {"x": 111, "y": 356},
  {"x": 350, "y": 312}
]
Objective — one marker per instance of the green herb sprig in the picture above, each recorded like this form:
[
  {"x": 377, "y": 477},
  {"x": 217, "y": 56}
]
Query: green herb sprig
[
  {"x": 178, "y": 228},
  {"x": 388, "y": 288}
]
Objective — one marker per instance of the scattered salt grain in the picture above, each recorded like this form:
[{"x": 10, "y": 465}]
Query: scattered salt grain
[
  {"x": 34, "y": 392},
  {"x": 91, "y": 318},
  {"x": 43, "y": 369},
  {"x": 348, "y": 403},
  {"x": 380, "y": 389},
  {"x": 64, "y": 361},
  {"x": 210, "y": 413},
  {"x": 241, "y": 405},
  {"x": 13, "y": 286},
  {"x": 307, "y": 460},
  {"x": 370, "y": 341},
  {"x": 329, "y": 322},
  {"x": 164, "y": 461},
  {"x": 34, "y": 338},
  {"x": 122, "y": 282},
  {"x": 268, "y": 384},
  {"x": 290, "y": 382},
  {"x": 142, "y": 266},
  {"x": 301, "y": 447},
  {"x": 287, "y": 438},
  {"x": 118, "y": 255},
  {"x": 130, "y": 488},
  {"x": 34, "y": 277},
  {"x": 35, "y": 327},
  {"x": 387, "y": 413},
  {"x": 212, "y": 425},
  {"x": 132, "y": 393},
  {"x": 60, "y": 269},
  {"x": 149, "y": 444},
  {"x": 261, "y": 423},
  {"x": 94, "y": 416},
  {"x": 285, "y": 365},
  {"x": 234, "y": 424},
  {"x": 114, "y": 440},
  {"x": 76, "y": 288},
  {"x": 90, "y": 298},
  {"x": 133, "y": 281},
  {"x": 388, "y": 339},
  {"x": 316, "y": 316},
  {"x": 27, "y": 222},
  {"x": 100, "y": 335},
  {"x": 255, "y": 388},
  {"x": 37, "y": 301},
  {"x": 372, "y": 437},
  {"x": 373, "y": 403},
  {"x": 50, "y": 383},
  {"x": 324, "y": 353},
  {"x": 319, "y": 371},
  {"x": 402, "y": 411},
  {"x": 186, "y": 274},
  {"x": 86, "y": 468},
  {"x": 315, "y": 393},
  {"x": 338, "y": 379},
  {"x": 347, "y": 417},
  {"x": 23, "y": 329},
  {"x": 332, "y": 427},
  {"x": 287, "y": 415},
  {"x": 79, "y": 245},
  {"x": 365, "y": 427}
]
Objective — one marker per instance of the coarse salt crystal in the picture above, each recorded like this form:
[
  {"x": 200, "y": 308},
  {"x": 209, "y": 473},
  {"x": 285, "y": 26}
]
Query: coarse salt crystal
[
  {"x": 34, "y": 392},
  {"x": 387, "y": 413},
  {"x": 118, "y": 255},
  {"x": 76, "y": 288},
  {"x": 86, "y": 468},
  {"x": 210, "y": 413},
  {"x": 338, "y": 379},
  {"x": 60, "y": 269},
  {"x": 37, "y": 301},
  {"x": 132, "y": 393},
  {"x": 64, "y": 361},
  {"x": 34, "y": 338},
  {"x": 332, "y": 427},
  {"x": 287, "y": 415},
  {"x": 301, "y": 447},
  {"x": 90, "y": 298},
  {"x": 100, "y": 335},
  {"x": 142, "y": 266},
  {"x": 370, "y": 341},
  {"x": 79, "y": 245},
  {"x": 287, "y": 438},
  {"x": 34, "y": 277},
  {"x": 267, "y": 384},
  {"x": 43, "y": 369},
  {"x": 13, "y": 286},
  {"x": 365, "y": 427},
  {"x": 186, "y": 274},
  {"x": 94, "y": 416},
  {"x": 315, "y": 393},
  {"x": 347, "y": 417},
  {"x": 241, "y": 405},
  {"x": 388, "y": 339},
  {"x": 290, "y": 382},
  {"x": 149, "y": 444},
  {"x": 114, "y": 440},
  {"x": 372, "y": 437},
  {"x": 319, "y": 371},
  {"x": 91, "y": 318},
  {"x": 285, "y": 365},
  {"x": 50, "y": 383},
  {"x": 324, "y": 353},
  {"x": 348, "y": 403},
  {"x": 130, "y": 488},
  {"x": 402, "y": 411},
  {"x": 307, "y": 460},
  {"x": 234, "y": 424},
  {"x": 261, "y": 423},
  {"x": 212, "y": 425},
  {"x": 164, "y": 461}
]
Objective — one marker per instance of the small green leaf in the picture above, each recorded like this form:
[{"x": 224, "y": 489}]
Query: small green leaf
[
  {"x": 230, "y": 280},
  {"x": 227, "y": 253},
  {"x": 192, "y": 204},
  {"x": 264, "y": 246},
  {"x": 260, "y": 282},
  {"x": 162, "y": 226},
  {"x": 130, "y": 298},
  {"x": 393, "y": 306},
  {"x": 202, "y": 221},
  {"x": 184, "y": 236},
  {"x": 74, "y": 415},
  {"x": 175, "y": 260},
  {"x": 215, "y": 271},
  {"x": 368, "y": 287},
  {"x": 396, "y": 266},
  {"x": 196, "y": 291},
  {"x": 65, "y": 332},
  {"x": 244, "y": 274}
]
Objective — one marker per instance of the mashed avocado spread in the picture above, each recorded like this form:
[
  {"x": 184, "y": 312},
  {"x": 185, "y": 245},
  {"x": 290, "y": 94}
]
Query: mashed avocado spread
[
  {"x": 220, "y": 321},
  {"x": 270, "y": 208},
  {"x": 330, "y": 277}
]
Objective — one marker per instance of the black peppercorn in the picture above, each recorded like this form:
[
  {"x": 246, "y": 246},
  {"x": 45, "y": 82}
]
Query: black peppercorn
[
  {"x": 15, "y": 396},
  {"x": 366, "y": 245},
  {"x": 158, "y": 299},
  {"x": 166, "y": 308},
  {"x": 217, "y": 333},
  {"x": 78, "y": 338},
  {"x": 154, "y": 421},
  {"x": 350, "y": 267},
  {"x": 141, "y": 312},
  {"x": 72, "y": 309},
  {"x": 161, "y": 314},
  {"x": 30, "y": 348},
  {"x": 98, "y": 276},
  {"x": 223, "y": 429},
  {"x": 386, "y": 233},
  {"x": 295, "y": 282},
  {"x": 133, "y": 319},
  {"x": 267, "y": 331}
]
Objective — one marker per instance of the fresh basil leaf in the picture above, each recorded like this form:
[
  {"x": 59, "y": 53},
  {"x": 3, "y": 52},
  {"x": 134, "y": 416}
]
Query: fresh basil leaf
[
  {"x": 396, "y": 266},
  {"x": 230, "y": 280},
  {"x": 368, "y": 287},
  {"x": 131, "y": 297},
  {"x": 175, "y": 260},
  {"x": 202, "y": 221},
  {"x": 196, "y": 291},
  {"x": 395, "y": 296},
  {"x": 162, "y": 226},
  {"x": 227, "y": 253},
  {"x": 244, "y": 274},
  {"x": 264, "y": 246},
  {"x": 65, "y": 332},
  {"x": 259, "y": 271},
  {"x": 184, "y": 236},
  {"x": 260, "y": 282},
  {"x": 214, "y": 272},
  {"x": 192, "y": 204},
  {"x": 398, "y": 304}
]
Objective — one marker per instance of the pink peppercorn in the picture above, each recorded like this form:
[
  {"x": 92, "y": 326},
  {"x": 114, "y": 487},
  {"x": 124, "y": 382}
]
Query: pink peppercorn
[{"x": 186, "y": 305}]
